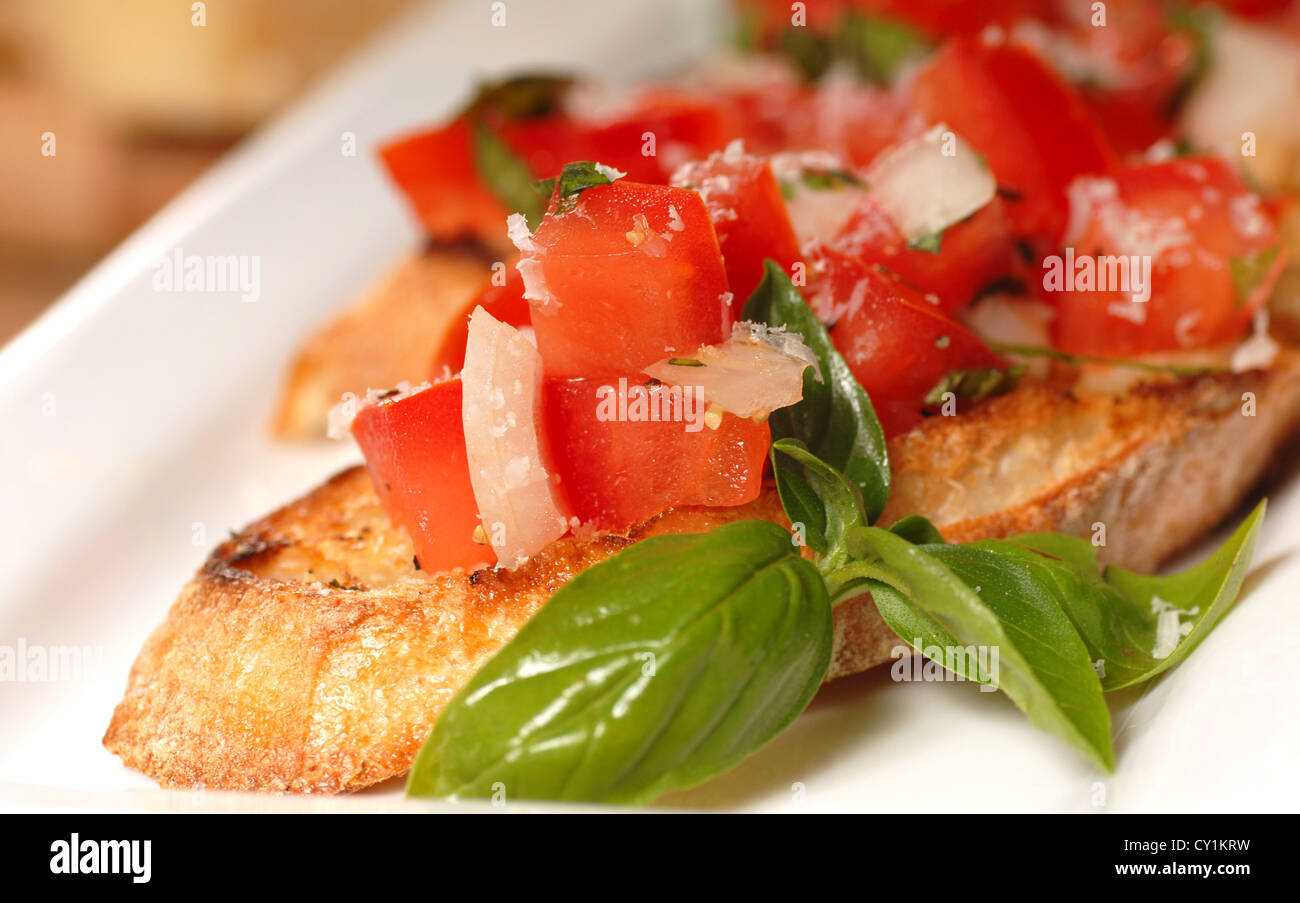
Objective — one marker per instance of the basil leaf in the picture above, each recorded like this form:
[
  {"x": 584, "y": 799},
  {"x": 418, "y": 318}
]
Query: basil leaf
[
  {"x": 819, "y": 497},
  {"x": 1043, "y": 665},
  {"x": 574, "y": 179},
  {"x": 974, "y": 384},
  {"x": 654, "y": 670},
  {"x": 835, "y": 419},
  {"x": 1122, "y": 620},
  {"x": 877, "y": 45},
  {"x": 506, "y": 176},
  {"x": 1204, "y": 593},
  {"x": 1117, "y": 637},
  {"x": 1248, "y": 272},
  {"x": 522, "y": 96},
  {"x": 917, "y": 530}
]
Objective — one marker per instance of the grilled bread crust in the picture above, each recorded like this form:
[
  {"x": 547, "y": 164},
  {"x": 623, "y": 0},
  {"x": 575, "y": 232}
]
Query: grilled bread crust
[
  {"x": 309, "y": 654},
  {"x": 385, "y": 336}
]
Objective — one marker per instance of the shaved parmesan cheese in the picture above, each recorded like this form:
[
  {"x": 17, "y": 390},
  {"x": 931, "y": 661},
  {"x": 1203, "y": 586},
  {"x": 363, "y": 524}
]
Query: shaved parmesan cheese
[
  {"x": 930, "y": 182},
  {"x": 1170, "y": 629},
  {"x": 520, "y": 505},
  {"x": 1258, "y": 351},
  {"x": 753, "y": 373}
]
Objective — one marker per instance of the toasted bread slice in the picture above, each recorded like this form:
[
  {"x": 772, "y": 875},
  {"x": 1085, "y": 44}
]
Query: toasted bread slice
[
  {"x": 309, "y": 654},
  {"x": 385, "y": 336}
]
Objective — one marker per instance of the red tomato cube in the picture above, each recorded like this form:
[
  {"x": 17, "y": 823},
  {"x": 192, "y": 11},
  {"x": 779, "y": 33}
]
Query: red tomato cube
[
  {"x": 415, "y": 449},
  {"x": 898, "y": 344},
  {"x": 628, "y": 275},
  {"x": 619, "y": 472},
  {"x": 749, "y": 215}
]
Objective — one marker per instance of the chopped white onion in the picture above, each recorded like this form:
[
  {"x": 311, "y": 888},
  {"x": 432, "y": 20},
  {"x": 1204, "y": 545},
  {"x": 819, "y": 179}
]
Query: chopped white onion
[
  {"x": 930, "y": 182},
  {"x": 1250, "y": 88},
  {"x": 519, "y": 502},
  {"x": 751, "y": 374}
]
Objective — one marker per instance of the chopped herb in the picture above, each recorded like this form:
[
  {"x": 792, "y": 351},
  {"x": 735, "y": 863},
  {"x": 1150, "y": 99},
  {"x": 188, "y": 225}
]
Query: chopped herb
[
  {"x": 521, "y": 97},
  {"x": 1248, "y": 272},
  {"x": 811, "y": 52},
  {"x": 1197, "y": 23},
  {"x": 335, "y": 583},
  {"x": 1077, "y": 359},
  {"x": 685, "y": 362},
  {"x": 976, "y": 383},
  {"x": 475, "y": 577},
  {"x": 877, "y": 45},
  {"x": 573, "y": 180},
  {"x": 505, "y": 175},
  {"x": 820, "y": 178},
  {"x": 929, "y": 242}
]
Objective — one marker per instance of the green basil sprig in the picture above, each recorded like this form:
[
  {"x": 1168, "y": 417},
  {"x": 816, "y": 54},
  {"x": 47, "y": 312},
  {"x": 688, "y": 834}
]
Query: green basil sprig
[
  {"x": 961, "y": 596},
  {"x": 820, "y": 498},
  {"x": 1122, "y": 628},
  {"x": 835, "y": 419},
  {"x": 655, "y": 670}
]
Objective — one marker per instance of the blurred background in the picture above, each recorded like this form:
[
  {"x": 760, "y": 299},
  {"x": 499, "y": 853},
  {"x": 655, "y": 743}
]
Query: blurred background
[{"x": 108, "y": 108}]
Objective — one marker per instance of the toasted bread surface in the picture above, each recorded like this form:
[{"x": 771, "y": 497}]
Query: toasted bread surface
[
  {"x": 309, "y": 654},
  {"x": 385, "y": 336}
]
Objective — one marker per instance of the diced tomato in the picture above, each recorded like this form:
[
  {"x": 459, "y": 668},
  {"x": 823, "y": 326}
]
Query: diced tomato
[
  {"x": 415, "y": 449},
  {"x": 953, "y": 17},
  {"x": 437, "y": 173},
  {"x": 1255, "y": 9},
  {"x": 1196, "y": 222},
  {"x": 503, "y": 297},
  {"x": 1130, "y": 72},
  {"x": 437, "y": 170},
  {"x": 971, "y": 255},
  {"x": 898, "y": 345},
  {"x": 749, "y": 215},
  {"x": 627, "y": 276},
  {"x": 619, "y": 472},
  {"x": 854, "y": 120},
  {"x": 647, "y": 142},
  {"x": 1033, "y": 127}
]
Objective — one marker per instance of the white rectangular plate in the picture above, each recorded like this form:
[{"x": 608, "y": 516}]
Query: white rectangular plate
[{"x": 134, "y": 437}]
